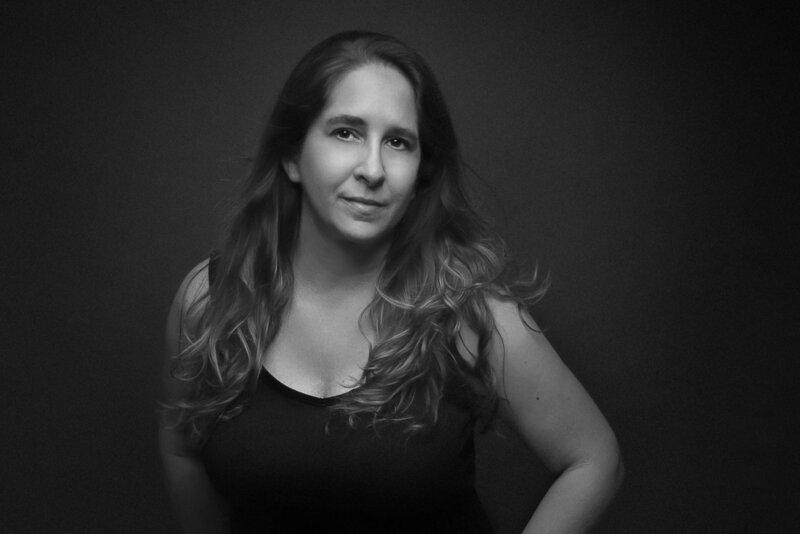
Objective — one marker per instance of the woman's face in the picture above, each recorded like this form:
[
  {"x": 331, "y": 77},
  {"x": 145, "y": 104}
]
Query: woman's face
[{"x": 358, "y": 164}]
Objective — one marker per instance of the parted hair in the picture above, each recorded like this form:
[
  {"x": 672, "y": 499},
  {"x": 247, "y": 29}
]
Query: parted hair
[{"x": 442, "y": 265}]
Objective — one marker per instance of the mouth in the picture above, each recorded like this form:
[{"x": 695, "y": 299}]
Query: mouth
[{"x": 365, "y": 201}]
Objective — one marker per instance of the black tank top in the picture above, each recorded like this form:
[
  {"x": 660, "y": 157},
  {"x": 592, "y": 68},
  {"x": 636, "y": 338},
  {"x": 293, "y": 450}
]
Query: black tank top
[{"x": 285, "y": 465}]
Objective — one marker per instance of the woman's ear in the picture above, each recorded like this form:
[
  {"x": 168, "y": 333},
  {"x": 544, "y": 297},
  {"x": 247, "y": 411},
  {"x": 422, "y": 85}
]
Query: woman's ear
[{"x": 290, "y": 167}]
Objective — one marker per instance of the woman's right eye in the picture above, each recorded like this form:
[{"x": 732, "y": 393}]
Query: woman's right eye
[{"x": 345, "y": 134}]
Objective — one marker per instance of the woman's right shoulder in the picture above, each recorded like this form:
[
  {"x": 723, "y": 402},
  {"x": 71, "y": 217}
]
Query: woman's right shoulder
[
  {"x": 193, "y": 287},
  {"x": 190, "y": 294}
]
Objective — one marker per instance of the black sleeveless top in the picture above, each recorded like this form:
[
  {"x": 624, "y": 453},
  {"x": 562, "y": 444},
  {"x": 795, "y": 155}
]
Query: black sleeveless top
[{"x": 285, "y": 464}]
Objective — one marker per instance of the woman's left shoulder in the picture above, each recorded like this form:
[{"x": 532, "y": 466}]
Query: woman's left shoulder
[
  {"x": 516, "y": 333},
  {"x": 509, "y": 316},
  {"x": 514, "y": 346},
  {"x": 512, "y": 328}
]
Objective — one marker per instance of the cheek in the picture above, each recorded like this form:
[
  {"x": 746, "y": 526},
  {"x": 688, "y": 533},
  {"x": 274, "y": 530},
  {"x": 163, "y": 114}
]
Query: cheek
[
  {"x": 408, "y": 191},
  {"x": 414, "y": 178},
  {"x": 321, "y": 165},
  {"x": 405, "y": 171}
]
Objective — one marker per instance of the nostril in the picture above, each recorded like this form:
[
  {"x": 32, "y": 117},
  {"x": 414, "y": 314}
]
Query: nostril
[{"x": 371, "y": 178}]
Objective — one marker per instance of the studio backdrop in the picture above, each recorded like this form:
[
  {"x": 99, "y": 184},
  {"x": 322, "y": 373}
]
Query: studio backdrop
[{"x": 617, "y": 144}]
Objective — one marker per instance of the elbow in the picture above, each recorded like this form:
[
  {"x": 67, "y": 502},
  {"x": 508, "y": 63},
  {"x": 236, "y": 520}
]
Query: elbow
[
  {"x": 618, "y": 472},
  {"x": 613, "y": 467},
  {"x": 608, "y": 469}
]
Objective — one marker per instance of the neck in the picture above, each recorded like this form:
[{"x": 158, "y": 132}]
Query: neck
[{"x": 336, "y": 266}]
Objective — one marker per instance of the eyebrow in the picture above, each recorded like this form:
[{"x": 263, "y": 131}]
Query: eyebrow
[
  {"x": 349, "y": 120},
  {"x": 355, "y": 122}
]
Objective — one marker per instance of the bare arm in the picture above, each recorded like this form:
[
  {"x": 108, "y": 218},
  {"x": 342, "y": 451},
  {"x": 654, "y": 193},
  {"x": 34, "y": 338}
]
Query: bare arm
[
  {"x": 558, "y": 420},
  {"x": 200, "y": 510}
]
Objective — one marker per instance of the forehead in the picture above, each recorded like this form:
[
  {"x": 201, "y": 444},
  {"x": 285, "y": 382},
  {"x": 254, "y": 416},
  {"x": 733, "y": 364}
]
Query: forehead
[{"x": 376, "y": 93}]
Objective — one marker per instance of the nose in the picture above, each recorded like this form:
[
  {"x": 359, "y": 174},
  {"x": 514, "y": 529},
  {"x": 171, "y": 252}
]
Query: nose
[{"x": 370, "y": 169}]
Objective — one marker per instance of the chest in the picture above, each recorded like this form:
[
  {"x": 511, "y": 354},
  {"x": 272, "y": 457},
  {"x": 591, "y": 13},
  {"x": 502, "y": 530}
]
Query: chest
[
  {"x": 282, "y": 453},
  {"x": 320, "y": 348}
]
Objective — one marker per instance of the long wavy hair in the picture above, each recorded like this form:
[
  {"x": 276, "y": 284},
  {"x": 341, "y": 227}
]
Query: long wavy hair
[{"x": 441, "y": 265}]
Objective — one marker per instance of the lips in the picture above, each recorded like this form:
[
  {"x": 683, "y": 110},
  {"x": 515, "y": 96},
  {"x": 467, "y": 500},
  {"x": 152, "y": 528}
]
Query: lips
[{"x": 365, "y": 201}]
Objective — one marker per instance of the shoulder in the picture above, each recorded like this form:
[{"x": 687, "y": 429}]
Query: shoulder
[
  {"x": 516, "y": 333},
  {"x": 193, "y": 287},
  {"x": 191, "y": 292},
  {"x": 195, "y": 283},
  {"x": 508, "y": 317},
  {"x": 511, "y": 327},
  {"x": 518, "y": 347},
  {"x": 515, "y": 348}
]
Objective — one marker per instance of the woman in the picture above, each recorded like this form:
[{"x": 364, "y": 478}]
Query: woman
[{"x": 327, "y": 369}]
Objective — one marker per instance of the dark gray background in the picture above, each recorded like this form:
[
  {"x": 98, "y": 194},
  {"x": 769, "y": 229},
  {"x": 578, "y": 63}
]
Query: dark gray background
[{"x": 640, "y": 153}]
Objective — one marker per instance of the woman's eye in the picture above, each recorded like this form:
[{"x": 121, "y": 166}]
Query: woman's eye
[
  {"x": 398, "y": 143},
  {"x": 344, "y": 134}
]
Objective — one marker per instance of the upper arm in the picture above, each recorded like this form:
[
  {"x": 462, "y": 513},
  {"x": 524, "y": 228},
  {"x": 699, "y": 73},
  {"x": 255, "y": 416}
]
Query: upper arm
[
  {"x": 540, "y": 398},
  {"x": 198, "y": 505},
  {"x": 193, "y": 288}
]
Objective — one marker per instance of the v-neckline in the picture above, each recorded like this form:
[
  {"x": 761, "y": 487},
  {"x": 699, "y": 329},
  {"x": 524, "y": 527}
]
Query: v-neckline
[{"x": 296, "y": 394}]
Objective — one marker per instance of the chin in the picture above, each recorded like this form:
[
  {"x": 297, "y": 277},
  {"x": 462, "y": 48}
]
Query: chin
[
  {"x": 366, "y": 238},
  {"x": 367, "y": 241}
]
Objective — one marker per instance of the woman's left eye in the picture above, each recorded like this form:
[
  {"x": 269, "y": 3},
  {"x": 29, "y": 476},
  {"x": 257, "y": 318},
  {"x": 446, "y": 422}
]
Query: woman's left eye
[{"x": 398, "y": 143}]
